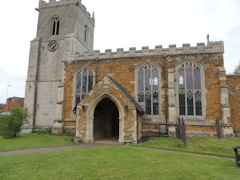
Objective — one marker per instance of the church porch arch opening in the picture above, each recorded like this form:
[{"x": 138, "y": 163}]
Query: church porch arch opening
[{"x": 105, "y": 118}]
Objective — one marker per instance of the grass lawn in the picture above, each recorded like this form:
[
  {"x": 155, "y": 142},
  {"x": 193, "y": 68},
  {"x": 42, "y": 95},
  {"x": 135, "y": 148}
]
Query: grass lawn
[
  {"x": 201, "y": 145},
  {"x": 113, "y": 162},
  {"x": 34, "y": 140}
]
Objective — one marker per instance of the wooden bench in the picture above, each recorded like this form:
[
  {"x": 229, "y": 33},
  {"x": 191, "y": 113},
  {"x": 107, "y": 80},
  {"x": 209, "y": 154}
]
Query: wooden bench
[{"x": 237, "y": 155}]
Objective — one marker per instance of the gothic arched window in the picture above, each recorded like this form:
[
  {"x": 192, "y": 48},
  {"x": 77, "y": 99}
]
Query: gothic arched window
[
  {"x": 84, "y": 81},
  {"x": 148, "y": 89},
  {"x": 190, "y": 87},
  {"x": 55, "y": 26}
]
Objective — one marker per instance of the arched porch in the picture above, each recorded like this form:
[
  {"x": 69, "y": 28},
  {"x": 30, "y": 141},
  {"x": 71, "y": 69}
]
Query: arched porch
[{"x": 105, "y": 118}]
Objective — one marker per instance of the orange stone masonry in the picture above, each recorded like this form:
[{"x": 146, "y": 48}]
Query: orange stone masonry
[
  {"x": 233, "y": 82},
  {"x": 123, "y": 94},
  {"x": 108, "y": 88},
  {"x": 122, "y": 70}
]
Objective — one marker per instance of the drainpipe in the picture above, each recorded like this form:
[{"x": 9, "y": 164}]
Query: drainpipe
[
  {"x": 165, "y": 79},
  {"x": 96, "y": 69}
]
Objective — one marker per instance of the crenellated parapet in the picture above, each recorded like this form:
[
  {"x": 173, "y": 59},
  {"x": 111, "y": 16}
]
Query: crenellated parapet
[
  {"x": 201, "y": 48},
  {"x": 54, "y": 3},
  {"x": 43, "y": 3}
]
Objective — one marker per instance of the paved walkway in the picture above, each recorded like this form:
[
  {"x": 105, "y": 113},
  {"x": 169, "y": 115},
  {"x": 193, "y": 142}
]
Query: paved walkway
[{"x": 50, "y": 149}]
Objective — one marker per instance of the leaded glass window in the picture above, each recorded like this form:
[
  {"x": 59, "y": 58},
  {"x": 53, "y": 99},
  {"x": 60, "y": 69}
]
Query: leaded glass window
[
  {"x": 189, "y": 89},
  {"x": 148, "y": 88},
  {"x": 84, "y": 84}
]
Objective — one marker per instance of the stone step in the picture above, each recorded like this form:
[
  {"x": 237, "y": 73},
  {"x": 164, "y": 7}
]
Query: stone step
[{"x": 111, "y": 140}]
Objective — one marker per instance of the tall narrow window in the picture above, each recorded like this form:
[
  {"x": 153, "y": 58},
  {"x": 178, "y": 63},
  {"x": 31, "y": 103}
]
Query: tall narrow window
[
  {"x": 189, "y": 89},
  {"x": 84, "y": 84},
  {"x": 148, "y": 88},
  {"x": 57, "y": 32},
  {"x": 55, "y": 26},
  {"x": 85, "y": 33}
]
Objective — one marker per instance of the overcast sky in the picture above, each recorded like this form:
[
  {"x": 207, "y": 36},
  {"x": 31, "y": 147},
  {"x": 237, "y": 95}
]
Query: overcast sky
[{"x": 121, "y": 24}]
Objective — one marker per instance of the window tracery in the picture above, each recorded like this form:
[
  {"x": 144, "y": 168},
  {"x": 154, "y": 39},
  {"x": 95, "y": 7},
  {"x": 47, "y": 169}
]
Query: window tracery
[
  {"x": 84, "y": 81},
  {"x": 148, "y": 91},
  {"x": 190, "y": 87}
]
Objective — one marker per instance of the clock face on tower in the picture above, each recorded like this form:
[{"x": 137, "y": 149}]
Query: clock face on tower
[{"x": 52, "y": 46}]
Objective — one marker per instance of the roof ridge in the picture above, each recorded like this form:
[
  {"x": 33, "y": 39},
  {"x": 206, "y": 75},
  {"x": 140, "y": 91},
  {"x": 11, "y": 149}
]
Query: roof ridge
[{"x": 132, "y": 100}]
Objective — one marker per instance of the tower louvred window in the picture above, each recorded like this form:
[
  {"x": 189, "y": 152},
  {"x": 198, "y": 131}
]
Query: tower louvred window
[{"x": 55, "y": 26}]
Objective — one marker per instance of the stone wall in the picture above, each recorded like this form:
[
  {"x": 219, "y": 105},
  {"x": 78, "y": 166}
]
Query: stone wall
[
  {"x": 45, "y": 67},
  {"x": 122, "y": 70},
  {"x": 120, "y": 66},
  {"x": 127, "y": 119},
  {"x": 233, "y": 82},
  {"x": 186, "y": 49}
]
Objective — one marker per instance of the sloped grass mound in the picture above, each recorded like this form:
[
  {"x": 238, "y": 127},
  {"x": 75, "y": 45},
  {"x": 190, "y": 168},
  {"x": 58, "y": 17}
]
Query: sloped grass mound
[{"x": 200, "y": 145}]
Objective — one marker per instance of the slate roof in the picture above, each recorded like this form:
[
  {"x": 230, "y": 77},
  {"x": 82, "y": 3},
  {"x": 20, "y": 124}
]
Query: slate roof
[
  {"x": 1, "y": 107},
  {"x": 19, "y": 100},
  {"x": 139, "y": 108}
]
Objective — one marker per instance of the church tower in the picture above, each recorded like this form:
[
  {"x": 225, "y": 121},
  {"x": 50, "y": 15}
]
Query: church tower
[{"x": 64, "y": 27}]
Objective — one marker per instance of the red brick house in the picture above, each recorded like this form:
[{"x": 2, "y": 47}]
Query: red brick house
[
  {"x": 17, "y": 100},
  {"x": 1, "y": 107}
]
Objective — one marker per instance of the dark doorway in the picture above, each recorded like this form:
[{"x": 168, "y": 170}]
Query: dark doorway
[
  {"x": 106, "y": 120},
  {"x": 115, "y": 122}
]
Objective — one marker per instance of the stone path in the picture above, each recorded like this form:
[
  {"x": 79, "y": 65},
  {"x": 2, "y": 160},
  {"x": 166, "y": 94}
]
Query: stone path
[{"x": 50, "y": 149}]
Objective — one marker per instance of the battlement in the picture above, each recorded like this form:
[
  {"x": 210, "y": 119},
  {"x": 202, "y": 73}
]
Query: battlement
[
  {"x": 43, "y": 3},
  {"x": 201, "y": 48},
  {"x": 54, "y": 3}
]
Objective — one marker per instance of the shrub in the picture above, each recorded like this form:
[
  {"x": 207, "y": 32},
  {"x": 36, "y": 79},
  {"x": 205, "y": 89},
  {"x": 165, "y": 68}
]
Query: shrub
[
  {"x": 1, "y": 129},
  {"x": 11, "y": 124}
]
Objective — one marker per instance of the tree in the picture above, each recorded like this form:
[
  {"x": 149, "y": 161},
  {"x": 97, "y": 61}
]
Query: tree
[
  {"x": 11, "y": 124},
  {"x": 237, "y": 69}
]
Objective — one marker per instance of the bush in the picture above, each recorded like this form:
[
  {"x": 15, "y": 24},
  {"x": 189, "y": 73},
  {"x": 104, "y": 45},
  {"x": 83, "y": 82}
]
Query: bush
[
  {"x": 1, "y": 129},
  {"x": 11, "y": 124}
]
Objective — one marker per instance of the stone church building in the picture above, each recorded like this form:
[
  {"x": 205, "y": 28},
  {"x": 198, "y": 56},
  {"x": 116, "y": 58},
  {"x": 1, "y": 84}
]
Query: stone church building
[{"x": 125, "y": 94}]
